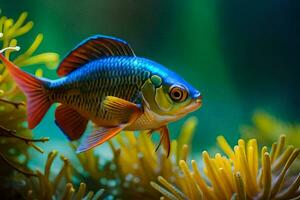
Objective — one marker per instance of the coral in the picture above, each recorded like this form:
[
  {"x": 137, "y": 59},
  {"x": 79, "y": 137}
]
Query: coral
[
  {"x": 134, "y": 164},
  {"x": 12, "y": 134},
  {"x": 16, "y": 139},
  {"x": 265, "y": 127},
  {"x": 238, "y": 176},
  {"x": 50, "y": 185},
  {"x": 60, "y": 187},
  {"x": 11, "y": 30}
]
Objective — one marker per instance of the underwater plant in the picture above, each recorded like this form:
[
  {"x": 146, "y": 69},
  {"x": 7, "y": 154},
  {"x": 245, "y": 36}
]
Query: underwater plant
[
  {"x": 132, "y": 171},
  {"x": 265, "y": 127},
  {"x": 241, "y": 174},
  {"x": 14, "y": 137},
  {"x": 59, "y": 186},
  {"x": 50, "y": 184},
  {"x": 134, "y": 164}
]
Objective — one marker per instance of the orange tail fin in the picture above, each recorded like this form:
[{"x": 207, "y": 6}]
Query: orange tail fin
[{"x": 38, "y": 101}]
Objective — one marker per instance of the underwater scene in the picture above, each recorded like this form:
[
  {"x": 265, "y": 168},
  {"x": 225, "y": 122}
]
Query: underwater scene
[{"x": 149, "y": 100}]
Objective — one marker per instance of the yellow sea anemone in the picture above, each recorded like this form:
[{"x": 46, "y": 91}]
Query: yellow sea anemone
[{"x": 241, "y": 174}]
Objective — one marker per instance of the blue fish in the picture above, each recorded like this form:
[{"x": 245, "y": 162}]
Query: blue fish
[{"x": 103, "y": 81}]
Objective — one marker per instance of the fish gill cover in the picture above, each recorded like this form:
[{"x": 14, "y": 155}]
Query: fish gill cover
[{"x": 136, "y": 171}]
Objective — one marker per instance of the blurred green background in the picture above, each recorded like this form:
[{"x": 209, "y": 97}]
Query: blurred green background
[{"x": 242, "y": 55}]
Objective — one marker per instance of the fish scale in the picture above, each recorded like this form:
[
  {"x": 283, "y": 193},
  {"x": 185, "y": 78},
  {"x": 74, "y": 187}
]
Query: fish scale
[{"x": 98, "y": 79}]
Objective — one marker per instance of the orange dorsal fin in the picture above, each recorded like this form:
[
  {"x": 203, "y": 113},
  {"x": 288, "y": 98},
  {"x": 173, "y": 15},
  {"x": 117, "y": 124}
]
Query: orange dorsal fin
[
  {"x": 99, "y": 136},
  {"x": 70, "y": 122},
  {"x": 93, "y": 48}
]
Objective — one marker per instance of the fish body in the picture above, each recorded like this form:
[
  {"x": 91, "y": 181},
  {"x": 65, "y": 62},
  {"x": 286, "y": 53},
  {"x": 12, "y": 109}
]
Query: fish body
[
  {"x": 104, "y": 82},
  {"x": 122, "y": 77}
]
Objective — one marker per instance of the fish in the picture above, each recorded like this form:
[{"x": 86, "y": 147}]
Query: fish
[{"x": 102, "y": 81}]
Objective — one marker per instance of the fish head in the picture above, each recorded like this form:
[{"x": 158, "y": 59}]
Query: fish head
[{"x": 170, "y": 95}]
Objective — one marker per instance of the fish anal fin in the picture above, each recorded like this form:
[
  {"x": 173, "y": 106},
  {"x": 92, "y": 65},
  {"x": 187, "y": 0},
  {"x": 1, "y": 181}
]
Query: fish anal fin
[
  {"x": 98, "y": 137},
  {"x": 95, "y": 47},
  {"x": 71, "y": 123},
  {"x": 124, "y": 111}
]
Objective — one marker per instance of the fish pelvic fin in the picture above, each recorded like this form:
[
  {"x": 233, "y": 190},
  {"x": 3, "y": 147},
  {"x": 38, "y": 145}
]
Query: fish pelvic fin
[
  {"x": 38, "y": 101},
  {"x": 164, "y": 139}
]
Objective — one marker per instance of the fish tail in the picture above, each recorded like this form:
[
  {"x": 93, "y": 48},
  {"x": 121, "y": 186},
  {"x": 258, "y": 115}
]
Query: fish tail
[{"x": 38, "y": 101}]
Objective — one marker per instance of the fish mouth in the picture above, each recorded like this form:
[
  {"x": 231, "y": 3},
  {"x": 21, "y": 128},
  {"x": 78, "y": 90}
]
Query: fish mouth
[{"x": 194, "y": 105}]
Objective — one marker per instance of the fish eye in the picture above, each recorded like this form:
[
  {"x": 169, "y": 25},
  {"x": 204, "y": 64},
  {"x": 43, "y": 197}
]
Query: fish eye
[{"x": 178, "y": 94}]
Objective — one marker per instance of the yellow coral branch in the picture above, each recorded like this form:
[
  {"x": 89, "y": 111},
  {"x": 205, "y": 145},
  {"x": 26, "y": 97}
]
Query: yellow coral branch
[{"x": 238, "y": 176}]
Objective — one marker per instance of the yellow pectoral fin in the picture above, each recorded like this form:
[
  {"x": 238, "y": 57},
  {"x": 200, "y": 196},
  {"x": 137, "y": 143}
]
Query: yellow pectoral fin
[
  {"x": 120, "y": 109},
  {"x": 162, "y": 100}
]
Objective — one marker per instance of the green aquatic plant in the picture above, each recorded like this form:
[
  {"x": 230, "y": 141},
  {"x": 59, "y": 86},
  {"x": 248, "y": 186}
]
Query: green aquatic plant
[
  {"x": 241, "y": 174},
  {"x": 265, "y": 127},
  {"x": 15, "y": 138}
]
